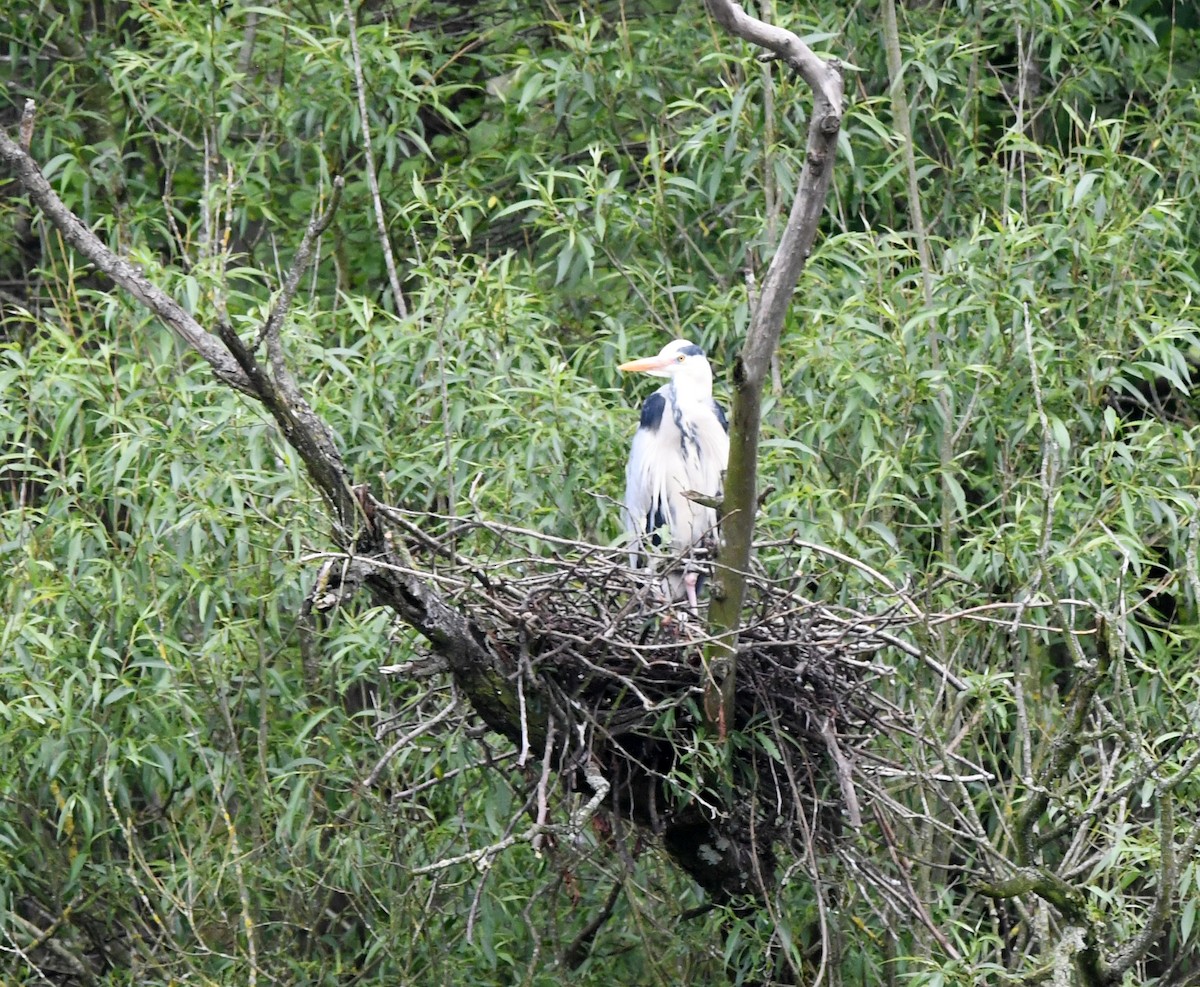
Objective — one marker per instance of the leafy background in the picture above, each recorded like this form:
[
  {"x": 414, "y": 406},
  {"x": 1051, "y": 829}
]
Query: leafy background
[{"x": 183, "y": 793}]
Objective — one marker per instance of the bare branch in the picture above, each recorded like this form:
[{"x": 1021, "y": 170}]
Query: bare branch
[
  {"x": 372, "y": 179},
  {"x": 844, "y": 772},
  {"x": 26, "y": 128},
  {"x": 26, "y": 171},
  {"x": 762, "y": 340},
  {"x": 1063, "y": 748},
  {"x": 424, "y": 727},
  {"x": 300, "y": 264}
]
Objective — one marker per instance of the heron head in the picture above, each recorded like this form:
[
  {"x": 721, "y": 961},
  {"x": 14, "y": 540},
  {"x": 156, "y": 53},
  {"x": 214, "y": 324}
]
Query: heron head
[{"x": 680, "y": 358}]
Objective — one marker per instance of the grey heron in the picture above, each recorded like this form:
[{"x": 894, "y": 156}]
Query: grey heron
[{"x": 681, "y": 447}]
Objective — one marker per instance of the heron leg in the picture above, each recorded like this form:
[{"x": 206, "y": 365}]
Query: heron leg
[{"x": 689, "y": 584}]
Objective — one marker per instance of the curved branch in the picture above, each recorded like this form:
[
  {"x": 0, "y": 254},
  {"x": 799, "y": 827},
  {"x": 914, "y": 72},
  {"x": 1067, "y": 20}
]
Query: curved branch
[
  {"x": 762, "y": 340},
  {"x": 25, "y": 170},
  {"x": 782, "y": 44}
]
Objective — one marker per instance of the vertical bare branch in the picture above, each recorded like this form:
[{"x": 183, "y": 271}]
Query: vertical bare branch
[
  {"x": 26, "y": 128},
  {"x": 762, "y": 340},
  {"x": 372, "y": 180}
]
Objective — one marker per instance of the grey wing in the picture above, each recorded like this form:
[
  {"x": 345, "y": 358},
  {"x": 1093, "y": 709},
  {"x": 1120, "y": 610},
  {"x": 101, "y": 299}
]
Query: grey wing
[
  {"x": 720, "y": 413},
  {"x": 645, "y": 510}
]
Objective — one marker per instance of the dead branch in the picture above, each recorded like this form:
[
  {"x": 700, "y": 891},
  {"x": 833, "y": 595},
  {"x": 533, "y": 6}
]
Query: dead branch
[{"x": 319, "y": 224}]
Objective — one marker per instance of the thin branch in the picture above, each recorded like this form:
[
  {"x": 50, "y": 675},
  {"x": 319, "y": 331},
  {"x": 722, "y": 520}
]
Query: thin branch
[
  {"x": 381, "y": 224},
  {"x": 78, "y": 236},
  {"x": 900, "y": 113},
  {"x": 577, "y": 952},
  {"x": 1065, "y": 745},
  {"x": 25, "y": 130},
  {"x": 408, "y": 738},
  {"x": 844, "y": 772},
  {"x": 300, "y": 262}
]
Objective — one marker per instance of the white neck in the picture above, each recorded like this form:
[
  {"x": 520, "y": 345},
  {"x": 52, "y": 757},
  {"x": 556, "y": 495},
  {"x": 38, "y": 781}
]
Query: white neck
[{"x": 693, "y": 382}]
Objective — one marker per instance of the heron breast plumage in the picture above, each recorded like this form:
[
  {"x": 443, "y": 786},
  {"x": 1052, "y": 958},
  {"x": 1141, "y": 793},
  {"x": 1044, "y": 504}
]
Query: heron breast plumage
[{"x": 681, "y": 446}]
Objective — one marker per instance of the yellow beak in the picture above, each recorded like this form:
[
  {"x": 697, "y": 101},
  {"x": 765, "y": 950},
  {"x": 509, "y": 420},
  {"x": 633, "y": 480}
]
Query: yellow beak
[{"x": 647, "y": 365}]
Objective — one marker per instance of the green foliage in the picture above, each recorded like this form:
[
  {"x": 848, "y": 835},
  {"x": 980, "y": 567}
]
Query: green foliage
[{"x": 566, "y": 189}]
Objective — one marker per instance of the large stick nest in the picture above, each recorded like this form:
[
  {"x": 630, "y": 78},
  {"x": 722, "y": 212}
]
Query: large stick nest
[
  {"x": 598, "y": 681},
  {"x": 606, "y": 634}
]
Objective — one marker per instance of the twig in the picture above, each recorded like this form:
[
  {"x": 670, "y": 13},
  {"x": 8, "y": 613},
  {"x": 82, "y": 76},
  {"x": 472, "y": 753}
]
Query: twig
[
  {"x": 599, "y": 785},
  {"x": 317, "y": 226},
  {"x": 481, "y": 858},
  {"x": 442, "y": 779},
  {"x": 576, "y": 953},
  {"x": 543, "y": 785},
  {"x": 369, "y": 155},
  {"x": 843, "y": 771},
  {"x": 407, "y": 739},
  {"x": 25, "y": 130}
]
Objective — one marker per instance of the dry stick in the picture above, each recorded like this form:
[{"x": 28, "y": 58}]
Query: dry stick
[
  {"x": 481, "y": 857},
  {"x": 762, "y": 340},
  {"x": 946, "y": 675},
  {"x": 914, "y": 901},
  {"x": 25, "y": 131},
  {"x": 543, "y": 785},
  {"x": 318, "y": 225},
  {"x": 844, "y": 772},
  {"x": 372, "y": 180},
  {"x": 408, "y": 738}
]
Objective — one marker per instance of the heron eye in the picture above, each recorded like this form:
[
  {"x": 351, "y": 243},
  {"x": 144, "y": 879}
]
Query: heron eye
[{"x": 680, "y": 358}]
